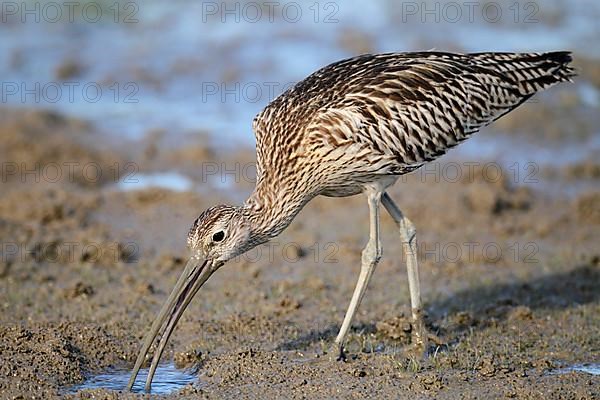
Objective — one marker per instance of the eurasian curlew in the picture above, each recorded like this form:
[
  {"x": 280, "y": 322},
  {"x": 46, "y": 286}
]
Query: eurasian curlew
[{"x": 351, "y": 127}]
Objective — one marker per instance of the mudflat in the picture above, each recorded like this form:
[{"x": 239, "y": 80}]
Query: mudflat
[{"x": 510, "y": 273}]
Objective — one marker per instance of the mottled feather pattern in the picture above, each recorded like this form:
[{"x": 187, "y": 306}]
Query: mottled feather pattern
[{"x": 387, "y": 114}]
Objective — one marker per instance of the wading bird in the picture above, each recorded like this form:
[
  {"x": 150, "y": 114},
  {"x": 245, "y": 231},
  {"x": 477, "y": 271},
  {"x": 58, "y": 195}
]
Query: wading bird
[{"x": 354, "y": 127}]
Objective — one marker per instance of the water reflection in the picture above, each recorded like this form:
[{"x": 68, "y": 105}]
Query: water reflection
[{"x": 167, "y": 380}]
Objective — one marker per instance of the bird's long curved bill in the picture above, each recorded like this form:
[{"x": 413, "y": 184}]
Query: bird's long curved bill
[{"x": 193, "y": 277}]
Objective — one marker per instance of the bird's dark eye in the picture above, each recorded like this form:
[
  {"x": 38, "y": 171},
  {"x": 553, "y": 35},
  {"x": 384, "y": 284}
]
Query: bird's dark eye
[{"x": 217, "y": 237}]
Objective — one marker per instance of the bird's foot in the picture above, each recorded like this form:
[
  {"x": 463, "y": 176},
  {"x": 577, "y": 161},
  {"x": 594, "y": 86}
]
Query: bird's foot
[
  {"x": 422, "y": 338},
  {"x": 420, "y": 334},
  {"x": 336, "y": 353}
]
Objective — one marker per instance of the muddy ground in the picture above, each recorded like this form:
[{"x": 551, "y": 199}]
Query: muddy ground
[{"x": 510, "y": 278}]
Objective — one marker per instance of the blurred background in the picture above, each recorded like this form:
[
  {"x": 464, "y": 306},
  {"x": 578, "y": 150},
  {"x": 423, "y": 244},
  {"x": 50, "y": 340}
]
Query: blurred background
[
  {"x": 211, "y": 66},
  {"x": 120, "y": 121}
]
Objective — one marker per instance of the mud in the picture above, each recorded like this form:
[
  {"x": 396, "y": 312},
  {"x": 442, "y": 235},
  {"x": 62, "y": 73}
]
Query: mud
[{"x": 510, "y": 275}]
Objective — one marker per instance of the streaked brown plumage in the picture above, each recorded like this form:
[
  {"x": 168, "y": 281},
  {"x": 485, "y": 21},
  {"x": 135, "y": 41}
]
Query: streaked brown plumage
[
  {"x": 355, "y": 126},
  {"x": 374, "y": 115}
]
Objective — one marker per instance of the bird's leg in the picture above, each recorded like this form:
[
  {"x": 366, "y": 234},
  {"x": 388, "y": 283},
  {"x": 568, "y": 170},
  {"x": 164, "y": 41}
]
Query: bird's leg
[
  {"x": 408, "y": 235},
  {"x": 370, "y": 257}
]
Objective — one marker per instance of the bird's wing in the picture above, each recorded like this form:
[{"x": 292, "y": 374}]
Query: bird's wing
[{"x": 408, "y": 108}]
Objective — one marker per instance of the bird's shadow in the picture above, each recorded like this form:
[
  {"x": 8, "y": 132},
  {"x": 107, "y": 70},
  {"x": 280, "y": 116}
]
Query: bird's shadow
[{"x": 555, "y": 291}]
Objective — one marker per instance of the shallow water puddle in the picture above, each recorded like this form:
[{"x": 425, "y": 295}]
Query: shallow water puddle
[
  {"x": 588, "y": 368},
  {"x": 166, "y": 380},
  {"x": 163, "y": 180}
]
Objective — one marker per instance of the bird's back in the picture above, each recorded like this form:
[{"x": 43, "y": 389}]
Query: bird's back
[{"x": 388, "y": 114}]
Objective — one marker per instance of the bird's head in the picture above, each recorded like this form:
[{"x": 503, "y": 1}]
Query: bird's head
[{"x": 220, "y": 234}]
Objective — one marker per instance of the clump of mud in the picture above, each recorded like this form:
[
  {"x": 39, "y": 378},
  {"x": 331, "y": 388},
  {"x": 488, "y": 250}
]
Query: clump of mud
[
  {"x": 45, "y": 358},
  {"x": 397, "y": 328},
  {"x": 495, "y": 195}
]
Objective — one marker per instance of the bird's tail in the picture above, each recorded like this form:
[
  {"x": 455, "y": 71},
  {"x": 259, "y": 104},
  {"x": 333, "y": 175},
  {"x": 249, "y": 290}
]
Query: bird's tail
[{"x": 531, "y": 71}]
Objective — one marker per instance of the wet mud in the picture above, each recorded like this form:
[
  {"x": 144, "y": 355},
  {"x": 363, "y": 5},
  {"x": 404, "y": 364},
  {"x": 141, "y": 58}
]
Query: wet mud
[{"x": 510, "y": 274}]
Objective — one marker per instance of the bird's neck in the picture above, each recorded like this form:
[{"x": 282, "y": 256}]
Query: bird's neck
[{"x": 272, "y": 207}]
